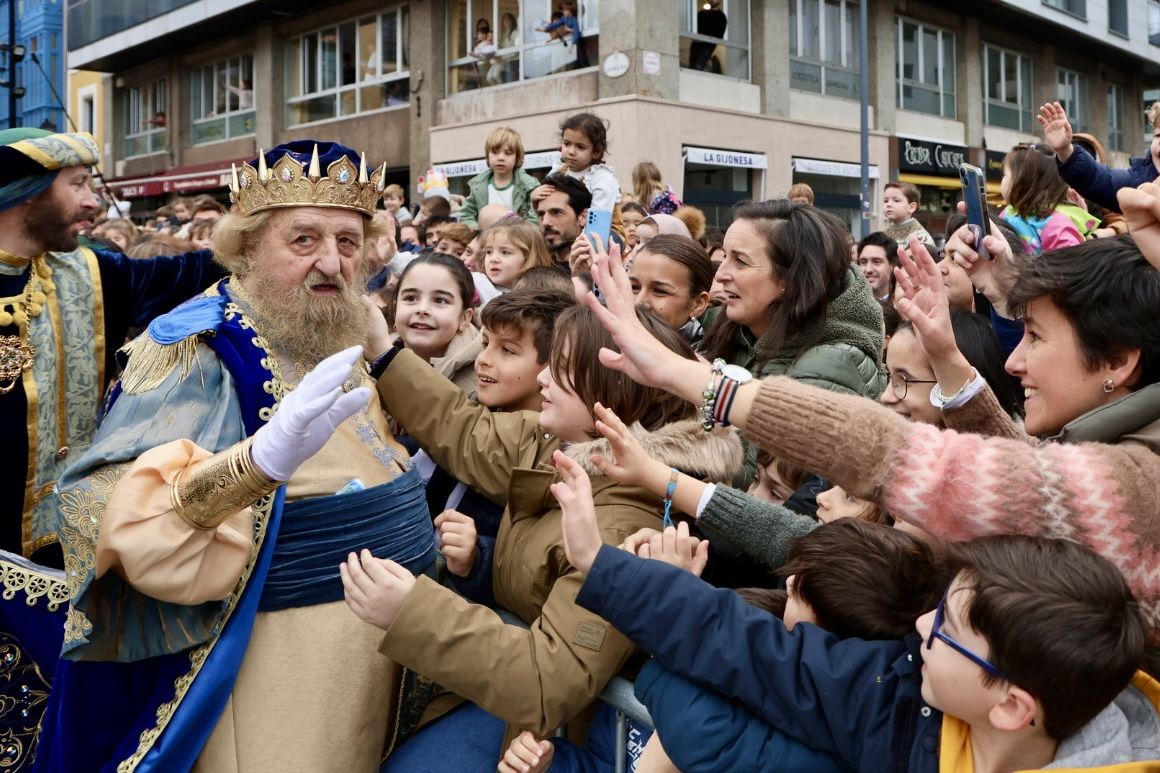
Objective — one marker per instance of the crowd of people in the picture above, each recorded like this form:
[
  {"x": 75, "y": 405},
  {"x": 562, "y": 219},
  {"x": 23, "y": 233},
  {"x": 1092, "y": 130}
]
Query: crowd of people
[{"x": 366, "y": 486}]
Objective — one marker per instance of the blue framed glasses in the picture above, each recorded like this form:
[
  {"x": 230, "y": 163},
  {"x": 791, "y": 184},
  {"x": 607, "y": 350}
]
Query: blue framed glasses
[{"x": 936, "y": 633}]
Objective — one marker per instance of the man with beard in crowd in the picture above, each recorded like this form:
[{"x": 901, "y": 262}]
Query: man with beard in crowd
[
  {"x": 241, "y": 459},
  {"x": 64, "y": 311},
  {"x": 562, "y": 214}
]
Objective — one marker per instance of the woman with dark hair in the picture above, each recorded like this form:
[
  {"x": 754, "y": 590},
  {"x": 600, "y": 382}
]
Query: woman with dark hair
[
  {"x": 1037, "y": 204},
  {"x": 671, "y": 277},
  {"x": 794, "y": 305}
]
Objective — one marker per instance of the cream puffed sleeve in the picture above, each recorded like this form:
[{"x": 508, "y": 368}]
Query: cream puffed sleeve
[{"x": 178, "y": 525}]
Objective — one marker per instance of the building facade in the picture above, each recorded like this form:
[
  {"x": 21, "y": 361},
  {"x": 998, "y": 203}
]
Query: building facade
[
  {"x": 732, "y": 99},
  {"x": 39, "y": 28}
]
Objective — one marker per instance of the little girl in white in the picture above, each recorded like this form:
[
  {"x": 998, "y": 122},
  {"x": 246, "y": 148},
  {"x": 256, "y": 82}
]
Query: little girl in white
[{"x": 583, "y": 143}]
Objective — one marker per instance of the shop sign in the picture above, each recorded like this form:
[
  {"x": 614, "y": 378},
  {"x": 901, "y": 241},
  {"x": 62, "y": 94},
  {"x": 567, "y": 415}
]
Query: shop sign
[
  {"x": 713, "y": 157},
  {"x": 930, "y": 157},
  {"x": 831, "y": 168},
  {"x": 547, "y": 159},
  {"x": 994, "y": 165}
]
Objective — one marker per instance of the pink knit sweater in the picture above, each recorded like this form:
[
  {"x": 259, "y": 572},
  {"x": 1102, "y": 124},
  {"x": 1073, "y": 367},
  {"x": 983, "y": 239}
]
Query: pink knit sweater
[{"x": 959, "y": 486}]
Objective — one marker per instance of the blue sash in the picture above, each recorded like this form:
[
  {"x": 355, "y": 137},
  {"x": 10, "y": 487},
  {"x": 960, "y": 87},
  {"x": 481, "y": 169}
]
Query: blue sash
[{"x": 316, "y": 534}]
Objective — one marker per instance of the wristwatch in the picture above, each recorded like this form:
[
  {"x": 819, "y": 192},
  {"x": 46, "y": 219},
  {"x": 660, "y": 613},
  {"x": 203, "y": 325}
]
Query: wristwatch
[{"x": 737, "y": 373}]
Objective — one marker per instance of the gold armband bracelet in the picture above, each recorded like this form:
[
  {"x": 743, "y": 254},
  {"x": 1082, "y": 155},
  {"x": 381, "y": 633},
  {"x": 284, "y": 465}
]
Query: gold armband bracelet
[{"x": 214, "y": 489}]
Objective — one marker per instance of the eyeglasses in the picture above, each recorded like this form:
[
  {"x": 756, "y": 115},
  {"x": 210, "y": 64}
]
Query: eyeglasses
[
  {"x": 936, "y": 633},
  {"x": 900, "y": 381}
]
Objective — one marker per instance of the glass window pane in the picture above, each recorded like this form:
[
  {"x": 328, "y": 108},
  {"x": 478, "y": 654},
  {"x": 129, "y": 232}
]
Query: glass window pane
[
  {"x": 508, "y": 34},
  {"x": 348, "y": 48},
  {"x": 948, "y": 63},
  {"x": 367, "y": 54},
  {"x": 930, "y": 57},
  {"x": 852, "y": 35},
  {"x": 806, "y": 77},
  {"x": 404, "y": 37},
  {"x": 832, "y": 52},
  {"x": 1025, "y": 76},
  {"x": 920, "y": 99},
  {"x": 909, "y": 56},
  {"x": 811, "y": 29},
  {"x": 994, "y": 86},
  {"x": 310, "y": 65},
  {"x": 1011, "y": 78},
  {"x": 794, "y": 50},
  {"x": 390, "y": 33},
  {"x": 328, "y": 59}
]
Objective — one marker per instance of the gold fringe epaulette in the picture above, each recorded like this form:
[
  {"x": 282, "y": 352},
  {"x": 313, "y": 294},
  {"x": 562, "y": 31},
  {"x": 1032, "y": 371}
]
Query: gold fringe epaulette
[{"x": 150, "y": 363}]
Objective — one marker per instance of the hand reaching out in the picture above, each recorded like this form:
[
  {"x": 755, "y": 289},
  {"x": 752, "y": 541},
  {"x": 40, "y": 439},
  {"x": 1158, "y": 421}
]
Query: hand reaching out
[
  {"x": 1141, "y": 208},
  {"x": 992, "y": 277},
  {"x": 677, "y": 547},
  {"x": 375, "y": 588},
  {"x": 1056, "y": 129},
  {"x": 923, "y": 300},
  {"x": 457, "y": 537},
  {"x": 527, "y": 754},
  {"x": 574, "y": 493},
  {"x": 630, "y": 463}
]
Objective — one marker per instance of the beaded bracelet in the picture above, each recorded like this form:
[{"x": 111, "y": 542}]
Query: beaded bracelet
[
  {"x": 709, "y": 402},
  {"x": 669, "y": 491}
]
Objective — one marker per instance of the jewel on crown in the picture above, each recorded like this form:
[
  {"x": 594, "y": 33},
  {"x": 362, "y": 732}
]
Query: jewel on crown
[{"x": 289, "y": 183}]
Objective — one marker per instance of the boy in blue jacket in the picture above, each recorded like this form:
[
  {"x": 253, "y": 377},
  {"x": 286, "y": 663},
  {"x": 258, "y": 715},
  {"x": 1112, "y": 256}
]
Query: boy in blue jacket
[
  {"x": 1095, "y": 181},
  {"x": 1030, "y": 659}
]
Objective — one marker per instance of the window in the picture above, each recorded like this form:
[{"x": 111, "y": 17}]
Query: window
[
  {"x": 88, "y": 114},
  {"x": 493, "y": 42},
  {"x": 1007, "y": 84},
  {"x": 145, "y": 121},
  {"x": 1118, "y": 17},
  {"x": 1115, "y": 117},
  {"x": 355, "y": 67},
  {"x": 222, "y": 100},
  {"x": 1154, "y": 22},
  {"x": 926, "y": 69},
  {"x": 715, "y": 37},
  {"x": 1071, "y": 91},
  {"x": 823, "y": 47},
  {"x": 1074, "y": 7}
]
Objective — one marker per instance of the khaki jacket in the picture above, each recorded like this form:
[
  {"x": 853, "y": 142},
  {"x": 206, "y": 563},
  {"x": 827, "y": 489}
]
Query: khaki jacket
[{"x": 541, "y": 677}]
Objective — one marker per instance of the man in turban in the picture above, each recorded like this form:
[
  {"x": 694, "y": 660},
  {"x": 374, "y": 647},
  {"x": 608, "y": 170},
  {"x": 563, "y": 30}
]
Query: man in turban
[
  {"x": 64, "y": 311},
  {"x": 242, "y": 458}
]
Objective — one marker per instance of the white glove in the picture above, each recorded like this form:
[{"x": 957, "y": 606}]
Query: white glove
[{"x": 308, "y": 416}]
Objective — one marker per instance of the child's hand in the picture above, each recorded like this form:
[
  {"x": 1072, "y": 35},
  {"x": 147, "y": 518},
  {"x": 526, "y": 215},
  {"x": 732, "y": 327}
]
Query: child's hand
[
  {"x": 1141, "y": 208},
  {"x": 527, "y": 755},
  {"x": 580, "y": 258},
  {"x": 457, "y": 536},
  {"x": 679, "y": 548},
  {"x": 636, "y": 539},
  {"x": 630, "y": 464},
  {"x": 574, "y": 493},
  {"x": 378, "y": 333},
  {"x": 541, "y": 192},
  {"x": 1056, "y": 129},
  {"x": 375, "y": 588}
]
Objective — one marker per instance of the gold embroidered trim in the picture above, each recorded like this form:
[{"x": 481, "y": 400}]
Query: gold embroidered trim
[
  {"x": 150, "y": 363},
  {"x": 99, "y": 342},
  {"x": 34, "y": 584},
  {"x": 81, "y": 510},
  {"x": 212, "y": 490}
]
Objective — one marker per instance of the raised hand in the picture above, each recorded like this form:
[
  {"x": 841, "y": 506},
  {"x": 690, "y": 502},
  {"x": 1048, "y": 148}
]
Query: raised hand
[
  {"x": 308, "y": 416},
  {"x": 574, "y": 493},
  {"x": 378, "y": 332},
  {"x": 1056, "y": 129},
  {"x": 630, "y": 463},
  {"x": 580, "y": 257},
  {"x": 527, "y": 754},
  {"x": 923, "y": 300},
  {"x": 457, "y": 537},
  {"x": 1141, "y": 208},
  {"x": 375, "y": 588},
  {"x": 677, "y": 547},
  {"x": 992, "y": 277}
]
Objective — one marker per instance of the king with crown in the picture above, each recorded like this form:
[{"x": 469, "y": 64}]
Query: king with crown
[{"x": 241, "y": 458}]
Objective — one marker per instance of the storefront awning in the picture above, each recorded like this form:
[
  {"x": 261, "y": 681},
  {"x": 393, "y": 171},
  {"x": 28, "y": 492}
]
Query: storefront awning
[
  {"x": 831, "y": 168},
  {"x": 187, "y": 179},
  {"x": 545, "y": 159},
  {"x": 717, "y": 157}
]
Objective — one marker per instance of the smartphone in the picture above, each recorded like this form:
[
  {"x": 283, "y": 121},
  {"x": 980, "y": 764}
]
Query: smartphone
[
  {"x": 975, "y": 196},
  {"x": 599, "y": 225}
]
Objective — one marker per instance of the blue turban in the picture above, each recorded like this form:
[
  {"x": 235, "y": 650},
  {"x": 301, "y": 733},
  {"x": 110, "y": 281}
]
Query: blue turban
[{"x": 31, "y": 158}]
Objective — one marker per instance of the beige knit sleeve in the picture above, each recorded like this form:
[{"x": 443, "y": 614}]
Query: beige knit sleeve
[{"x": 982, "y": 415}]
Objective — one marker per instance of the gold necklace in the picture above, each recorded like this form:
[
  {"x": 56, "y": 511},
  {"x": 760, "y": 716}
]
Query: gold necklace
[{"x": 16, "y": 354}]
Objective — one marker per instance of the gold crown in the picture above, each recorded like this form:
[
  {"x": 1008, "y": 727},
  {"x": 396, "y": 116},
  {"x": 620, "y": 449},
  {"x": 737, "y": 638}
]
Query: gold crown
[{"x": 287, "y": 184}]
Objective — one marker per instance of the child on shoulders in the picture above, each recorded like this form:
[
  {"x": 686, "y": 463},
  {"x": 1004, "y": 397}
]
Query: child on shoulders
[{"x": 504, "y": 182}]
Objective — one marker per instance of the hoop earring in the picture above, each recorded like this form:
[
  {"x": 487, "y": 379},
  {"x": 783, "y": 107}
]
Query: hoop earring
[{"x": 1109, "y": 386}]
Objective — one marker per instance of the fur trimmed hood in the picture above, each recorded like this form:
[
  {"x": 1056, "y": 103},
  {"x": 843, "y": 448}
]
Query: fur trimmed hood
[{"x": 714, "y": 457}]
